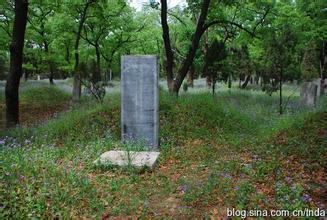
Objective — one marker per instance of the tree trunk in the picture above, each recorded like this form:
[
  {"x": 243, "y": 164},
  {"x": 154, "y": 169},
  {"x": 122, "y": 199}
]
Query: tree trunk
[
  {"x": 323, "y": 67},
  {"x": 229, "y": 81},
  {"x": 174, "y": 85},
  {"x": 247, "y": 80},
  {"x": 168, "y": 50},
  {"x": 213, "y": 87},
  {"x": 67, "y": 57},
  {"x": 97, "y": 72},
  {"x": 16, "y": 60},
  {"x": 256, "y": 80},
  {"x": 51, "y": 72},
  {"x": 208, "y": 80},
  {"x": 51, "y": 75},
  {"x": 77, "y": 77},
  {"x": 171, "y": 87},
  {"x": 280, "y": 92},
  {"x": 322, "y": 87},
  {"x": 77, "y": 86},
  {"x": 26, "y": 74},
  {"x": 194, "y": 46},
  {"x": 110, "y": 75},
  {"x": 205, "y": 66},
  {"x": 190, "y": 77}
]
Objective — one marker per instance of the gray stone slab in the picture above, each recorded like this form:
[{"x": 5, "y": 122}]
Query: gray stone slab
[
  {"x": 140, "y": 100},
  {"x": 318, "y": 83},
  {"x": 138, "y": 159},
  {"x": 320, "y": 86},
  {"x": 308, "y": 94}
]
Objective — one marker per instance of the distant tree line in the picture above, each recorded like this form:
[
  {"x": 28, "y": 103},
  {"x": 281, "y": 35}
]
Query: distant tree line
[{"x": 262, "y": 42}]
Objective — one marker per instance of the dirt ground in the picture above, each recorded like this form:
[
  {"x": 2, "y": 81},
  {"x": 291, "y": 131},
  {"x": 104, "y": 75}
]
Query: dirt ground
[{"x": 32, "y": 115}]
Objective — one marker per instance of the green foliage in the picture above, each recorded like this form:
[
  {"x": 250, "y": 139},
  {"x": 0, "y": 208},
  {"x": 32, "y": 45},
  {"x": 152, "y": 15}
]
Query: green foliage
[
  {"x": 3, "y": 68},
  {"x": 309, "y": 63},
  {"x": 116, "y": 29},
  {"x": 240, "y": 61},
  {"x": 216, "y": 53},
  {"x": 214, "y": 59}
]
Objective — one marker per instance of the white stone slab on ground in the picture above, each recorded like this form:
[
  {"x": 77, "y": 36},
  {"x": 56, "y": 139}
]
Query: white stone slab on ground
[{"x": 136, "y": 159}]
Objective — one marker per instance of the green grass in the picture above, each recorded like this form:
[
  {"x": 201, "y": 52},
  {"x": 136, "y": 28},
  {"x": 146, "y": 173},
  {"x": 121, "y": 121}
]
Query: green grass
[
  {"x": 44, "y": 96},
  {"x": 231, "y": 151}
]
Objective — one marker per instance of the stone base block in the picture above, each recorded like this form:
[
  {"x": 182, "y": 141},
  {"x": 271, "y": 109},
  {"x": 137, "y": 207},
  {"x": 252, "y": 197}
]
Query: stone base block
[{"x": 138, "y": 159}]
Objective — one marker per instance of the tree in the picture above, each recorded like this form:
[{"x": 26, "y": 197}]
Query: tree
[
  {"x": 314, "y": 18},
  {"x": 245, "y": 66},
  {"x": 39, "y": 14},
  {"x": 175, "y": 84},
  {"x": 16, "y": 60},
  {"x": 82, "y": 10},
  {"x": 106, "y": 22},
  {"x": 281, "y": 47},
  {"x": 309, "y": 64},
  {"x": 94, "y": 30},
  {"x": 62, "y": 42},
  {"x": 323, "y": 65},
  {"x": 202, "y": 25},
  {"x": 215, "y": 54}
]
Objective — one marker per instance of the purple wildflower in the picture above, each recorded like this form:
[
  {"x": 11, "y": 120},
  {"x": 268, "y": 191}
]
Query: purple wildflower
[
  {"x": 27, "y": 142},
  {"x": 288, "y": 179},
  {"x": 306, "y": 198},
  {"x": 226, "y": 175},
  {"x": 184, "y": 188},
  {"x": 255, "y": 157}
]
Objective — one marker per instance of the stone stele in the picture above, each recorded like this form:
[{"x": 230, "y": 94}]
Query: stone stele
[
  {"x": 140, "y": 100},
  {"x": 308, "y": 94}
]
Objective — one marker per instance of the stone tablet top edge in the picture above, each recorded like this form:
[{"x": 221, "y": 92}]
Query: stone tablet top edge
[{"x": 141, "y": 55}]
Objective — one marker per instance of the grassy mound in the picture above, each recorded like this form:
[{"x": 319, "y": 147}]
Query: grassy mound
[{"x": 44, "y": 96}]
